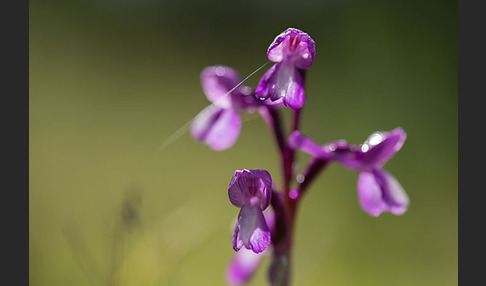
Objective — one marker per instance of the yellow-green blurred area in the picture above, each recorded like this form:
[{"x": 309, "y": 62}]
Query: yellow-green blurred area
[{"x": 110, "y": 81}]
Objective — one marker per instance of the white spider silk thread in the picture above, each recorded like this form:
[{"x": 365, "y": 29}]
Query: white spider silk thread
[{"x": 185, "y": 128}]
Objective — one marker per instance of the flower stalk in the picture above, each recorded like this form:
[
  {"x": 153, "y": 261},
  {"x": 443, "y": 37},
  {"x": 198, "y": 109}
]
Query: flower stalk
[{"x": 266, "y": 219}]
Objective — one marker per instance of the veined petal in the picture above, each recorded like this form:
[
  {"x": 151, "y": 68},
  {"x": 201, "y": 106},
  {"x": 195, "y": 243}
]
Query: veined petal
[
  {"x": 217, "y": 127},
  {"x": 295, "y": 91},
  {"x": 393, "y": 193},
  {"x": 242, "y": 266},
  {"x": 282, "y": 81},
  {"x": 253, "y": 231},
  {"x": 380, "y": 192},
  {"x": 250, "y": 187},
  {"x": 263, "y": 89},
  {"x": 294, "y": 46}
]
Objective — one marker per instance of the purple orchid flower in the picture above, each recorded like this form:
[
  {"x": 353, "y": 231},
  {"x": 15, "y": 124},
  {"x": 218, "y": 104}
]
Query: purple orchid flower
[
  {"x": 219, "y": 124},
  {"x": 293, "y": 51},
  {"x": 378, "y": 191},
  {"x": 245, "y": 262},
  {"x": 251, "y": 190}
]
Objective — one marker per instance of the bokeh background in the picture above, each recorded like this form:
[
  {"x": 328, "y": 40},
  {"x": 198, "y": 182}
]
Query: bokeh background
[{"x": 110, "y": 81}]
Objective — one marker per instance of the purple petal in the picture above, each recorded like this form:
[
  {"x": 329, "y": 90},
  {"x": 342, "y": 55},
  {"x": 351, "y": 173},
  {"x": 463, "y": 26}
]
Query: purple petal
[
  {"x": 217, "y": 127},
  {"x": 282, "y": 81},
  {"x": 393, "y": 193},
  {"x": 237, "y": 243},
  {"x": 301, "y": 142},
  {"x": 250, "y": 187},
  {"x": 269, "y": 215},
  {"x": 253, "y": 230},
  {"x": 242, "y": 266},
  {"x": 377, "y": 149},
  {"x": 370, "y": 195},
  {"x": 218, "y": 81},
  {"x": 237, "y": 194},
  {"x": 380, "y": 147},
  {"x": 293, "y": 46},
  {"x": 263, "y": 90},
  {"x": 379, "y": 192}
]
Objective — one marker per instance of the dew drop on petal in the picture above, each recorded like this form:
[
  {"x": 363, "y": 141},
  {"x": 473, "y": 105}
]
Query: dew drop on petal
[
  {"x": 376, "y": 139},
  {"x": 331, "y": 147},
  {"x": 220, "y": 71},
  {"x": 365, "y": 147}
]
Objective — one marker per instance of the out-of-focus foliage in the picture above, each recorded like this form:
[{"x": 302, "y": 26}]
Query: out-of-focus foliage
[{"x": 111, "y": 80}]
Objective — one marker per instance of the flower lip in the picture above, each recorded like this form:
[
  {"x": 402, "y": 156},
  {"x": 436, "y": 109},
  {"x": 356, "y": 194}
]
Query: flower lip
[
  {"x": 379, "y": 192},
  {"x": 252, "y": 230}
]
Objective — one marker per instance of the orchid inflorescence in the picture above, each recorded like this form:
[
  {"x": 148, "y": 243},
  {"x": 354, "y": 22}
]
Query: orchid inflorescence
[{"x": 261, "y": 230}]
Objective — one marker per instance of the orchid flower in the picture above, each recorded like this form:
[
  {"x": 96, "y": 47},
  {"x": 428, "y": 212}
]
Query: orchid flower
[
  {"x": 293, "y": 51},
  {"x": 245, "y": 262},
  {"x": 219, "y": 124},
  {"x": 378, "y": 191},
  {"x": 251, "y": 190}
]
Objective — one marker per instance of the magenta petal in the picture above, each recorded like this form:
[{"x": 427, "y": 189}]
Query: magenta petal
[
  {"x": 393, "y": 193},
  {"x": 369, "y": 194},
  {"x": 295, "y": 91},
  {"x": 250, "y": 187},
  {"x": 219, "y": 128},
  {"x": 222, "y": 86},
  {"x": 263, "y": 89},
  {"x": 242, "y": 266},
  {"x": 379, "y": 147},
  {"x": 253, "y": 229},
  {"x": 216, "y": 82},
  {"x": 294, "y": 46},
  {"x": 282, "y": 81},
  {"x": 301, "y": 142},
  {"x": 380, "y": 192},
  {"x": 237, "y": 192}
]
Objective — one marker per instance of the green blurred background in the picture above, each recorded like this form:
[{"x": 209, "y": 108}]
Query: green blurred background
[{"x": 110, "y": 81}]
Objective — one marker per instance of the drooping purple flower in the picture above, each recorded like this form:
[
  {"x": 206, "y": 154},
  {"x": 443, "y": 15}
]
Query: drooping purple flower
[
  {"x": 378, "y": 191},
  {"x": 251, "y": 190},
  {"x": 293, "y": 51},
  {"x": 245, "y": 262},
  {"x": 219, "y": 124}
]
